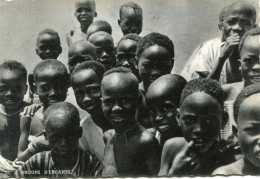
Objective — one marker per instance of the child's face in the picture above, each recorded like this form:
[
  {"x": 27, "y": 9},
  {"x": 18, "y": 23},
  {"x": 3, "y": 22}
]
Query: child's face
[
  {"x": 250, "y": 64},
  {"x": 131, "y": 22},
  {"x": 51, "y": 86},
  {"x": 125, "y": 56},
  {"x": 249, "y": 128},
  {"x": 12, "y": 89},
  {"x": 85, "y": 12},
  {"x": 237, "y": 20},
  {"x": 154, "y": 62},
  {"x": 105, "y": 50},
  {"x": 119, "y": 99},
  {"x": 163, "y": 111},
  {"x": 86, "y": 86},
  {"x": 62, "y": 137},
  {"x": 48, "y": 47},
  {"x": 200, "y": 120}
]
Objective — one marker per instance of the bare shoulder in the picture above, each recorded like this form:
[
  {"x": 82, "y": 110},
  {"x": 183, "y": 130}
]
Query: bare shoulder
[
  {"x": 232, "y": 90},
  {"x": 175, "y": 144},
  {"x": 147, "y": 138},
  {"x": 231, "y": 169}
]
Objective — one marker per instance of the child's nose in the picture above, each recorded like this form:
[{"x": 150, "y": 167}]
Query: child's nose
[
  {"x": 256, "y": 66},
  {"x": 116, "y": 108},
  {"x": 237, "y": 27}
]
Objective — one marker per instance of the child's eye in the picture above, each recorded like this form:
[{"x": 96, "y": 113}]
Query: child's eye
[
  {"x": 44, "y": 87},
  {"x": 248, "y": 61},
  {"x": 189, "y": 120},
  {"x": 3, "y": 88}
]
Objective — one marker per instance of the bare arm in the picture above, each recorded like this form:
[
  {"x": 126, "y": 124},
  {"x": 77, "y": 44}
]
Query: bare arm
[
  {"x": 151, "y": 152},
  {"x": 227, "y": 51},
  {"x": 23, "y": 152}
]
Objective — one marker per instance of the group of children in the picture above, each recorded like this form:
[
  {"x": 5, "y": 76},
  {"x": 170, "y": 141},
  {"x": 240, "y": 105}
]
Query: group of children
[{"x": 118, "y": 111}]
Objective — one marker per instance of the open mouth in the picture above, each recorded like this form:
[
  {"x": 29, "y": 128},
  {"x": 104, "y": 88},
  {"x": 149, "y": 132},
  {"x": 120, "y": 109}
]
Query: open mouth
[
  {"x": 9, "y": 101},
  {"x": 163, "y": 127},
  {"x": 118, "y": 118},
  {"x": 255, "y": 78},
  {"x": 200, "y": 141},
  {"x": 51, "y": 101}
]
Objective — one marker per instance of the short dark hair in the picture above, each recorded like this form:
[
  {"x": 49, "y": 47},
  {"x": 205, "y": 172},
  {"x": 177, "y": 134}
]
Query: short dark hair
[
  {"x": 50, "y": 63},
  {"x": 117, "y": 70},
  {"x": 208, "y": 86},
  {"x": 155, "y": 39},
  {"x": 245, "y": 93},
  {"x": 252, "y": 32},
  {"x": 131, "y": 36},
  {"x": 49, "y": 32},
  {"x": 132, "y": 5},
  {"x": 94, "y": 65},
  {"x": 103, "y": 26},
  {"x": 13, "y": 65},
  {"x": 66, "y": 107}
]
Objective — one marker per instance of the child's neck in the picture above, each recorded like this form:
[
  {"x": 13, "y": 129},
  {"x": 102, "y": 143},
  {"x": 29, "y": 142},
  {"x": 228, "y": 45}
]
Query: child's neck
[
  {"x": 249, "y": 168},
  {"x": 84, "y": 28},
  {"x": 125, "y": 128},
  {"x": 66, "y": 162},
  {"x": 14, "y": 111}
]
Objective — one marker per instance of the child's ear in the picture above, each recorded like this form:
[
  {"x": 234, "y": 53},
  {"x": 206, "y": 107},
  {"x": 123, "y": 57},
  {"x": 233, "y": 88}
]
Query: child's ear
[
  {"x": 35, "y": 88},
  {"x": 172, "y": 60},
  {"x": 225, "y": 119},
  {"x": 26, "y": 88},
  {"x": 119, "y": 22},
  {"x": 177, "y": 116},
  {"x": 36, "y": 50},
  {"x": 95, "y": 14}
]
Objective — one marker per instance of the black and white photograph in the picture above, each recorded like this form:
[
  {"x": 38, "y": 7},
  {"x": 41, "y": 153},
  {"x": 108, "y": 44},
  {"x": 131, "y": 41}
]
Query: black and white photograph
[{"x": 129, "y": 88}]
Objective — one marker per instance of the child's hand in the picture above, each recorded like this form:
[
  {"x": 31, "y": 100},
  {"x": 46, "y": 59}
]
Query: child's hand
[
  {"x": 29, "y": 111},
  {"x": 40, "y": 144},
  {"x": 232, "y": 42},
  {"x": 186, "y": 162}
]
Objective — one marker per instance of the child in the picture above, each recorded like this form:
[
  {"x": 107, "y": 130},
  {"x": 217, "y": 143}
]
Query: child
[
  {"x": 48, "y": 44},
  {"x": 246, "y": 113},
  {"x": 65, "y": 159},
  {"x": 79, "y": 52},
  {"x": 131, "y": 151},
  {"x": 86, "y": 80},
  {"x": 51, "y": 83},
  {"x": 200, "y": 117},
  {"x": 131, "y": 18},
  {"x": 85, "y": 11},
  {"x": 99, "y": 26},
  {"x": 105, "y": 48},
  {"x": 250, "y": 69},
  {"x": 219, "y": 57},
  {"x": 126, "y": 52},
  {"x": 163, "y": 97},
  {"x": 155, "y": 55},
  {"x": 12, "y": 90}
]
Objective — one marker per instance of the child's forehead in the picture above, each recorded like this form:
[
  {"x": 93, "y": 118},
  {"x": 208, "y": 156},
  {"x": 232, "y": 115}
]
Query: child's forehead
[
  {"x": 251, "y": 106},
  {"x": 118, "y": 81},
  {"x": 51, "y": 71},
  {"x": 10, "y": 74},
  {"x": 85, "y": 4},
  {"x": 47, "y": 38}
]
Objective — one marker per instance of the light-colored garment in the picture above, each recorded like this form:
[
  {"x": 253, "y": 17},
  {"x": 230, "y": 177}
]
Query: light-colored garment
[
  {"x": 76, "y": 35},
  {"x": 43, "y": 165},
  {"x": 203, "y": 59},
  {"x": 71, "y": 99},
  {"x": 92, "y": 138}
]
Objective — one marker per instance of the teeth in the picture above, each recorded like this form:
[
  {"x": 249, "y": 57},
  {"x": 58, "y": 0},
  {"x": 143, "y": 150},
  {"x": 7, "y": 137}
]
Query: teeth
[
  {"x": 162, "y": 127},
  {"x": 256, "y": 77}
]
